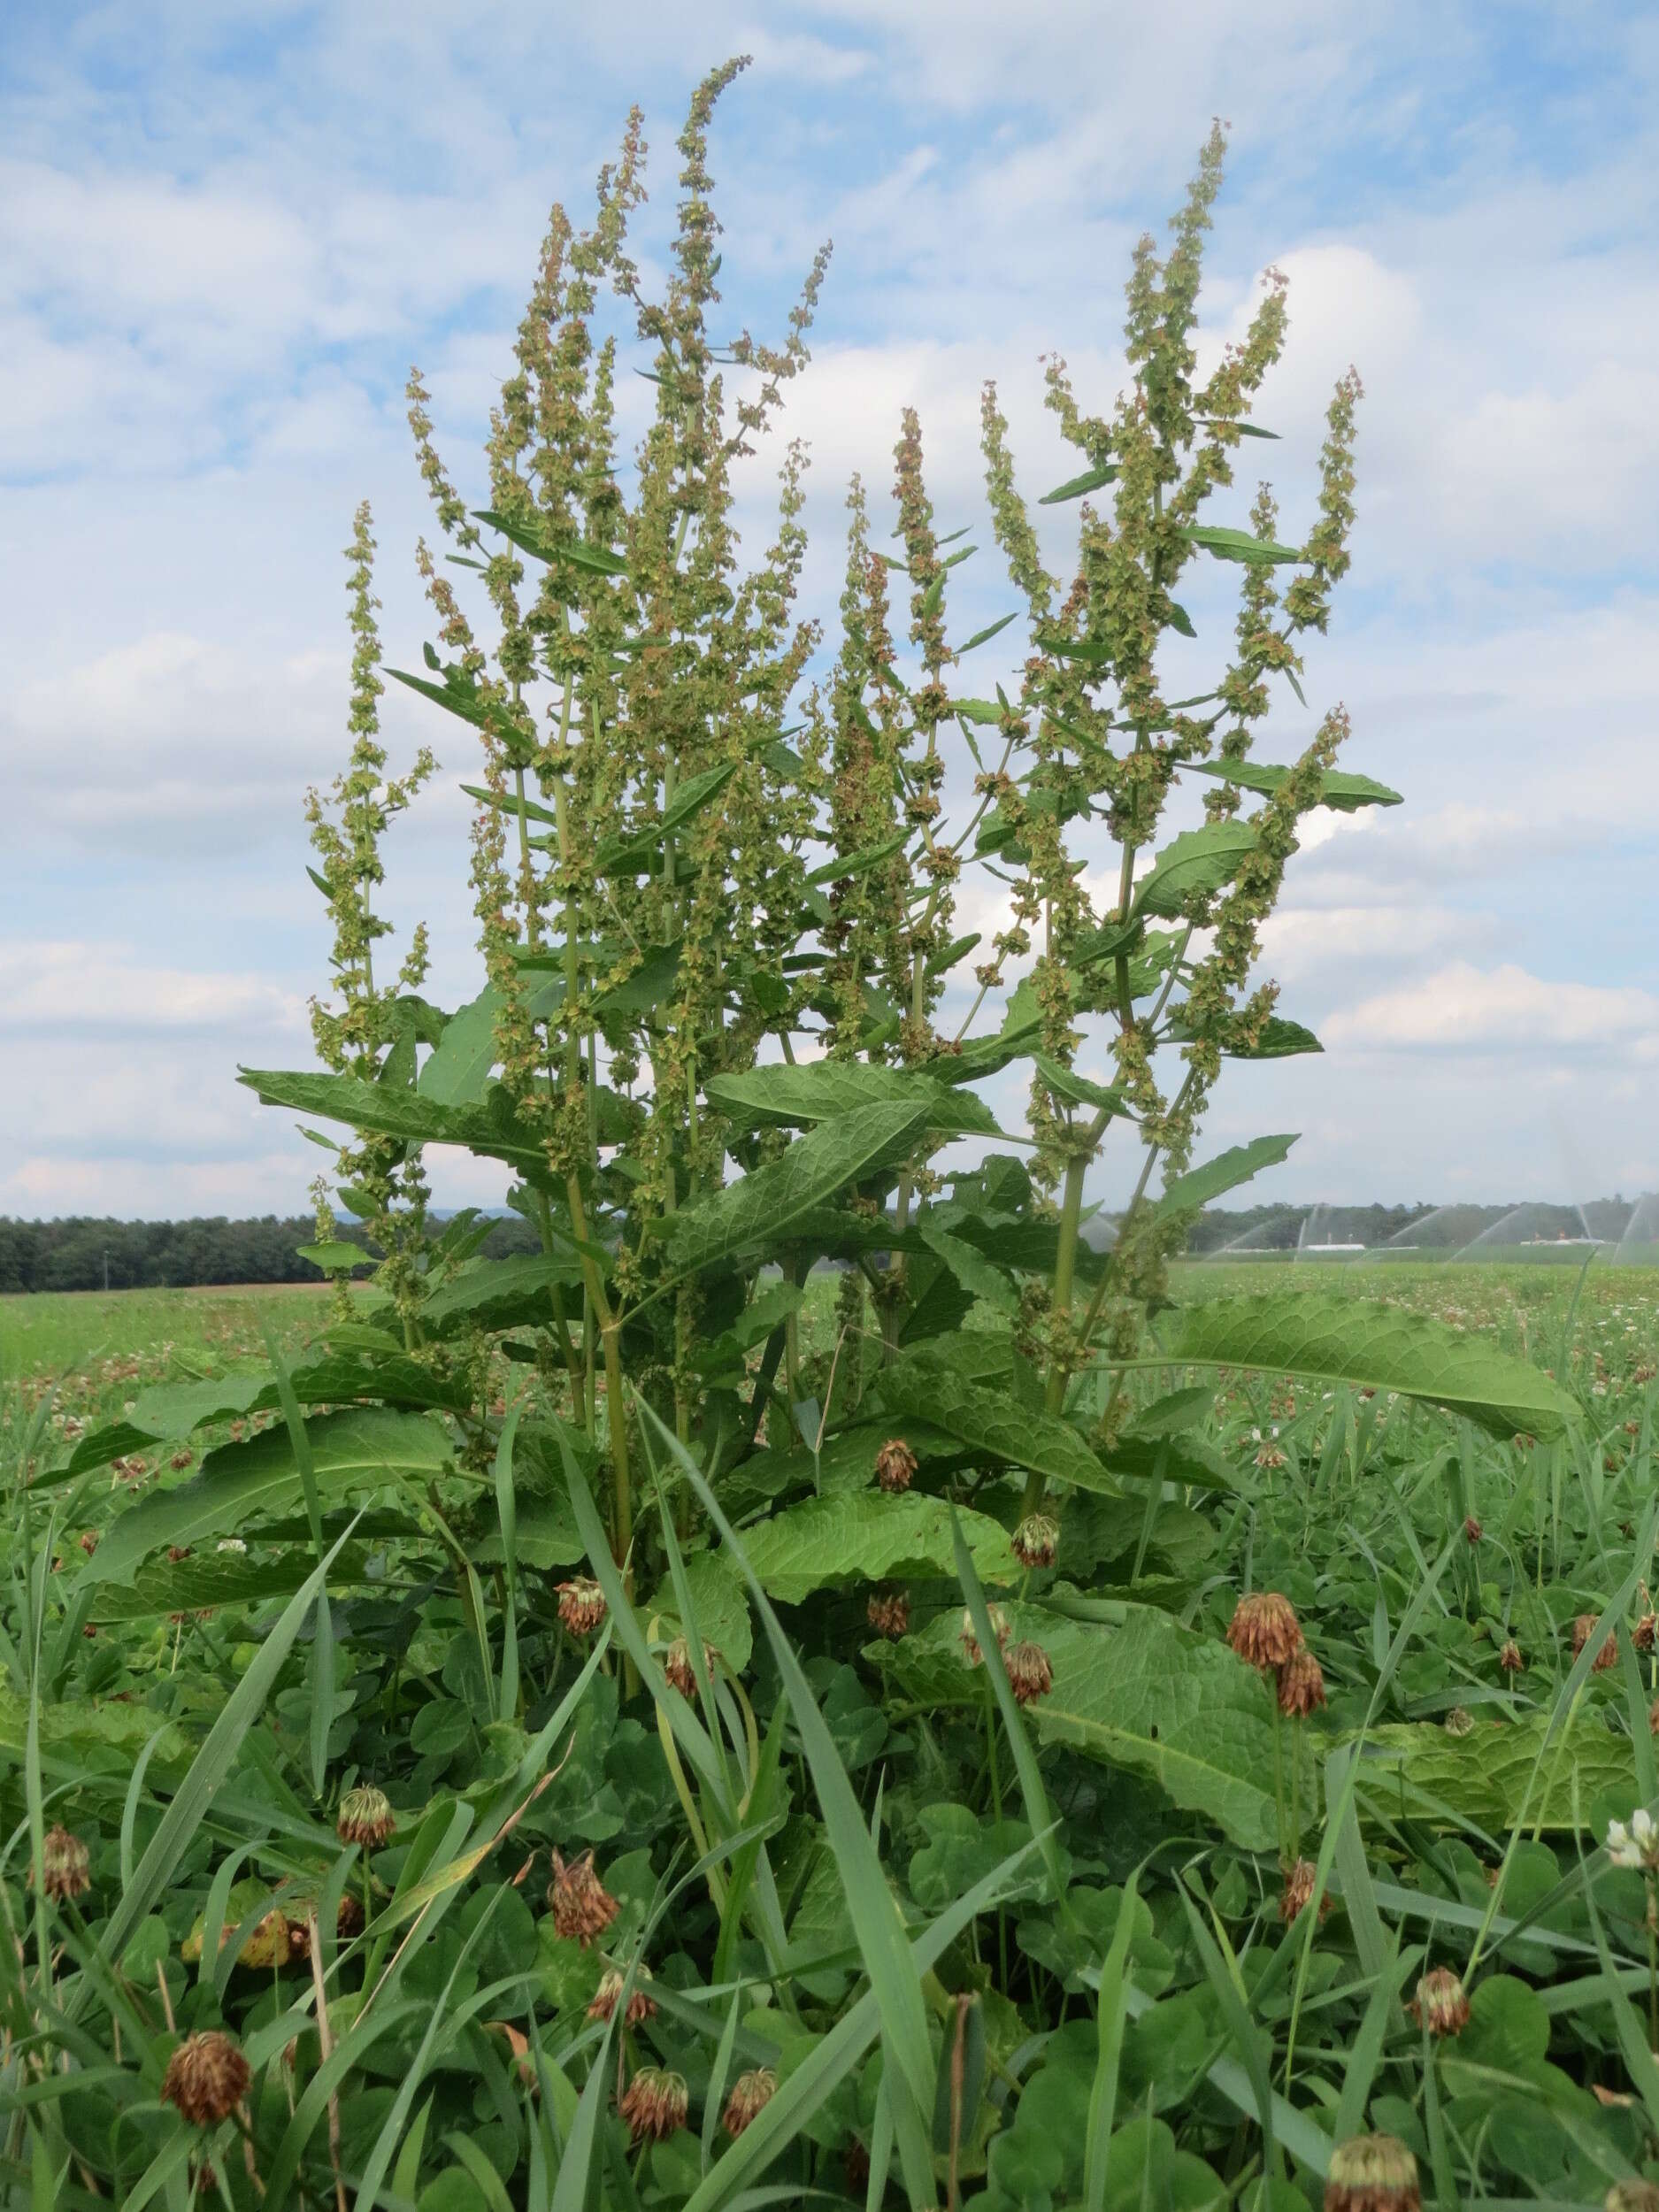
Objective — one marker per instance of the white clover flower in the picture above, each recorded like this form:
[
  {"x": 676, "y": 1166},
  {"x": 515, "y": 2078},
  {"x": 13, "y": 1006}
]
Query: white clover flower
[
  {"x": 232, "y": 1543},
  {"x": 1637, "y": 1845}
]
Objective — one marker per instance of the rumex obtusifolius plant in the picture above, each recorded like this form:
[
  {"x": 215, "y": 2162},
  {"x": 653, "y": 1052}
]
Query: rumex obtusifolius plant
[{"x": 703, "y": 1837}]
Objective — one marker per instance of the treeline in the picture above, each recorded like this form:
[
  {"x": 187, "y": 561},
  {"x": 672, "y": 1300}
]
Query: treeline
[{"x": 81, "y": 1253}]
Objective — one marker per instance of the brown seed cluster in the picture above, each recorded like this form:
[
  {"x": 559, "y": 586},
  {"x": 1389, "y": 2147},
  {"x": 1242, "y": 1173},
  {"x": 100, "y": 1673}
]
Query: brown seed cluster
[
  {"x": 1030, "y": 1673},
  {"x": 65, "y": 1864},
  {"x": 654, "y": 2104},
  {"x": 1301, "y": 1684},
  {"x": 677, "y": 1665},
  {"x": 581, "y": 1606},
  {"x": 896, "y": 1465},
  {"x": 1036, "y": 1540},
  {"x": 1460, "y": 1721},
  {"x": 970, "y": 1637},
  {"x": 1472, "y": 1530},
  {"x": 1441, "y": 2004},
  {"x": 1264, "y": 1631},
  {"x": 751, "y": 2094},
  {"x": 1372, "y": 2173},
  {"x": 207, "y": 2076},
  {"x": 365, "y": 1817},
  {"x": 1583, "y": 1629},
  {"x": 888, "y": 1613},
  {"x": 582, "y": 1906},
  {"x": 641, "y": 2005},
  {"x": 1298, "y": 1892},
  {"x": 1509, "y": 1658},
  {"x": 1642, "y": 1635}
]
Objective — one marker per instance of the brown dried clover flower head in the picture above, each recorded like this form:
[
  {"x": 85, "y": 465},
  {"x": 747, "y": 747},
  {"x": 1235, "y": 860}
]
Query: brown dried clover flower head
[
  {"x": 582, "y": 1906},
  {"x": 1643, "y": 1634},
  {"x": 970, "y": 1637},
  {"x": 1036, "y": 1540},
  {"x": 1441, "y": 2004},
  {"x": 641, "y": 2005},
  {"x": 751, "y": 2094},
  {"x": 348, "y": 1917},
  {"x": 207, "y": 2076},
  {"x": 1583, "y": 1628},
  {"x": 1030, "y": 1674},
  {"x": 1472, "y": 1530},
  {"x": 896, "y": 1465},
  {"x": 366, "y": 1817},
  {"x": 888, "y": 1613},
  {"x": 1301, "y": 1684},
  {"x": 1460, "y": 1721},
  {"x": 1264, "y": 1629},
  {"x": 65, "y": 1864},
  {"x": 677, "y": 1665},
  {"x": 1372, "y": 2173},
  {"x": 654, "y": 2104},
  {"x": 1633, "y": 2194},
  {"x": 1298, "y": 1892},
  {"x": 1510, "y": 1657},
  {"x": 581, "y": 1606}
]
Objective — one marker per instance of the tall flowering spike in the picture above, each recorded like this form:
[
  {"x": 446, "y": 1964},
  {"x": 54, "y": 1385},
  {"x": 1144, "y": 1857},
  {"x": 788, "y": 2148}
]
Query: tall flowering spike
[
  {"x": 581, "y": 1606},
  {"x": 1441, "y": 2004},
  {"x": 582, "y": 1906},
  {"x": 1264, "y": 1629},
  {"x": 1301, "y": 1684},
  {"x": 654, "y": 2104},
  {"x": 65, "y": 1864},
  {"x": 751, "y": 2094},
  {"x": 1372, "y": 2173},
  {"x": 207, "y": 2077},
  {"x": 365, "y": 1817}
]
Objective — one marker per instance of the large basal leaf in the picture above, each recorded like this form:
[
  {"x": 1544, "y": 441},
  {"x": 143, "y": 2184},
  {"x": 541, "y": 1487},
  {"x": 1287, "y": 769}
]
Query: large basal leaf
[
  {"x": 177, "y": 1409},
  {"x": 866, "y": 1533},
  {"x": 500, "y": 1293},
  {"x": 1339, "y": 788},
  {"x": 991, "y": 1423},
  {"x": 1486, "y": 1776},
  {"x": 357, "y": 1451},
  {"x": 212, "y": 1579},
  {"x": 825, "y": 1089},
  {"x": 758, "y": 1211},
  {"x": 409, "y": 1115},
  {"x": 1196, "y": 862},
  {"x": 1202, "y": 1186},
  {"x": 1376, "y": 1347},
  {"x": 1179, "y": 1708},
  {"x": 83, "y": 1738}
]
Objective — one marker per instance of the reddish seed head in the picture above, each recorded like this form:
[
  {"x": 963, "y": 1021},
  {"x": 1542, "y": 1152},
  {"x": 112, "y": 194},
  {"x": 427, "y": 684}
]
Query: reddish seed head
[
  {"x": 1372, "y": 2173},
  {"x": 1301, "y": 1684},
  {"x": 751, "y": 2094},
  {"x": 1030, "y": 1675},
  {"x": 677, "y": 1665},
  {"x": 582, "y": 1906},
  {"x": 349, "y": 1918},
  {"x": 968, "y": 1635},
  {"x": 1472, "y": 1530},
  {"x": 65, "y": 1864},
  {"x": 1299, "y": 1879},
  {"x": 896, "y": 1465},
  {"x": 1441, "y": 2004},
  {"x": 1036, "y": 1540},
  {"x": 654, "y": 2104},
  {"x": 1264, "y": 1629},
  {"x": 581, "y": 1606},
  {"x": 1583, "y": 1628},
  {"x": 888, "y": 1613},
  {"x": 365, "y": 1817},
  {"x": 207, "y": 2076},
  {"x": 1643, "y": 1634},
  {"x": 1509, "y": 1658},
  {"x": 642, "y": 2004}
]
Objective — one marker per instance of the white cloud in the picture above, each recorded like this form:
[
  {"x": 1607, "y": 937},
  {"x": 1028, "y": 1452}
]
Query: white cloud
[{"x": 1462, "y": 1009}]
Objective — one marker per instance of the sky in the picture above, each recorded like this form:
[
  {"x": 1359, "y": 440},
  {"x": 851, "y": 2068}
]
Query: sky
[{"x": 230, "y": 230}]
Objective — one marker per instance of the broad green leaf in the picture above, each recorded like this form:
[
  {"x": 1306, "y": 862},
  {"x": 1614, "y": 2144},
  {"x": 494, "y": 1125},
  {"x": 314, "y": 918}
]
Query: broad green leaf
[
  {"x": 332, "y": 1257},
  {"x": 977, "y": 1275},
  {"x": 215, "y": 1579},
  {"x": 983, "y": 637},
  {"x": 458, "y": 1068},
  {"x": 490, "y": 1129},
  {"x": 1484, "y": 1776},
  {"x": 867, "y": 1534},
  {"x": 361, "y": 1450},
  {"x": 1075, "y": 487},
  {"x": 1379, "y": 1347},
  {"x": 1339, "y": 788},
  {"x": 531, "y": 534},
  {"x": 858, "y": 863},
  {"x": 825, "y": 1089},
  {"x": 1179, "y": 1708},
  {"x": 758, "y": 1211},
  {"x": 1202, "y": 1186},
  {"x": 990, "y": 1423},
  {"x": 1238, "y": 545},
  {"x": 720, "y": 1604},
  {"x": 102, "y": 1739},
  {"x": 635, "y": 854},
  {"x": 1075, "y": 1089},
  {"x": 500, "y": 1293},
  {"x": 984, "y": 712},
  {"x": 1193, "y": 864}
]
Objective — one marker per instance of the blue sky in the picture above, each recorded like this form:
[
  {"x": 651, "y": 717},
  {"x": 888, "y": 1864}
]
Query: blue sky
[{"x": 230, "y": 230}]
